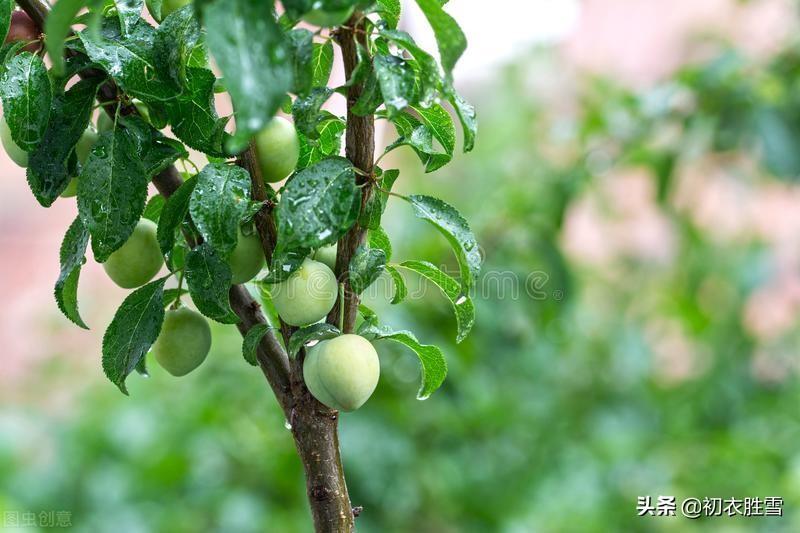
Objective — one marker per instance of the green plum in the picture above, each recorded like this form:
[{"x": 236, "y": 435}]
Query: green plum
[
  {"x": 184, "y": 341},
  {"x": 138, "y": 260},
  {"x": 17, "y": 154},
  {"x": 167, "y": 7},
  {"x": 327, "y": 19},
  {"x": 342, "y": 372},
  {"x": 327, "y": 255},
  {"x": 307, "y": 295},
  {"x": 278, "y": 149},
  {"x": 247, "y": 259},
  {"x": 82, "y": 150}
]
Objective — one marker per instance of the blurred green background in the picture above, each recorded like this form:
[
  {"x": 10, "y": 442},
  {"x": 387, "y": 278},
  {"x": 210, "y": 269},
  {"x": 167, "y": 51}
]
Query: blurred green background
[{"x": 636, "y": 336}]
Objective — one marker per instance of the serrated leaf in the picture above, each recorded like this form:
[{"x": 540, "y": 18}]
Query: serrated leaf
[
  {"x": 133, "y": 330},
  {"x": 219, "y": 203},
  {"x": 172, "y": 295},
  {"x": 175, "y": 210},
  {"x": 365, "y": 267},
  {"x": 129, "y": 12},
  {"x": 153, "y": 208},
  {"x": 250, "y": 49},
  {"x": 301, "y": 44},
  {"x": 311, "y": 334},
  {"x": 318, "y": 205},
  {"x": 57, "y": 26},
  {"x": 449, "y": 37},
  {"x": 48, "y": 169},
  {"x": 178, "y": 41},
  {"x": 251, "y": 341},
  {"x": 455, "y": 229},
  {"x": 400, "y": 289},
  {"x": 434, "y": 366},
  {"x": 440, "y": 123},
  {"x": 156, "y": 151},
  {"x": 389, "y": 10},
  {"x": 72, "y": 255},
  {"x": 306, "y": 111},
  {"x": 208, "y": 277},
  {"x": 27, "y": 95},
  {"x": 377, "y": 238},
  {"x": 418, "y": 136},
  {"x": 463, "y": 307},
  {"x": 329, "y": 142},
  {"x": 321, "y": 64},
  {"x": 428, "y": 77},
  {"x": 467, "y": 117},
  {"x": 370, "y": 217},
  {"x": 112, "y": 191},
  {"x": 396, "y": 80},
  {"x": 193, "y": 116}
]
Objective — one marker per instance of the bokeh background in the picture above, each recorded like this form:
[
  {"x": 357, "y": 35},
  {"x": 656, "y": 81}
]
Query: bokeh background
[{"x": 635, "y": 191}]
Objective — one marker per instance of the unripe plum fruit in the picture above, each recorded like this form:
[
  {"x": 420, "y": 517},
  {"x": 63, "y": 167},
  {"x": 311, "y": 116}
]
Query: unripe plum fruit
[
  {"x": 307, "y": 295},
  {"x": 342, "y": 372},
  {"x": 82, "y": 149},
  {"x": 17, "y": 154},
  {"x": 327, "y": 19},
  {"x": 278, "y": 149},
  {"x": 23, "y": 28},
  {"x": 247, "y": 259},
  {"x": 138, "y": 260},
  {"x": 184, "y": 341},
  {"x": 167, "y": 7},
  {"x": 327, "y": 255}
]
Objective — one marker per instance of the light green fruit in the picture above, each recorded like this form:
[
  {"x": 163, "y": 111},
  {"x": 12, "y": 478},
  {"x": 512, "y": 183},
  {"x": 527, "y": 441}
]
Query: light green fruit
[
  {"x": 327, "y": 255},
  {"x": 247, "y": 259},
  {"x": 17, "y": 154},
  {"x": 138, "y": 260},
  {"x": 82, "y": 150},
  {"x": 278, "y": 149},
  {"x": 327, "y": 19},
  {"x": 307, "y": 295},
  {"x": 167, "y": 7},
  {"x": 343, "y": 372},
  {"x": 184, "y": 341}
]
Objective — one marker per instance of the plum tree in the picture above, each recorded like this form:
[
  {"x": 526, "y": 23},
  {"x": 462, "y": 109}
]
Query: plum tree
[
  {"x": 17, "y": 154},
  {"x": 323, "y": 18},
  {"x": 23, "y": 28},
  {"x": 82, "y": 150},
  {"x": 307, "y": 295},
  {"x": 184, "y": 341},
  {"x": 167, "y": 7},
  {"x": 247, "y": 259},
  {"x": 327, "y": 255},
  {"x": 342, "y": 372},
  {"x": 278, "y": 149},
  {"x": 138, "y": 260}
]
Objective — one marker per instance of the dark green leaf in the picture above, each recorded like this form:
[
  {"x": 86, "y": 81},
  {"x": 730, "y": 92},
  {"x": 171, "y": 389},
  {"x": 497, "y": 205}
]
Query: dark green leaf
[
  {"x": 365, "y": 267},
  {"x": 250, "y": 49},
  {"x": 321, "y": 64},
  {"x": 455, "y": 229},
  {"x": 311, "y": 334},
  {"x": 153, "y": 208},
  {"x": 194, "y": 117},
  {"x": 27, "y": 96},
  {"x": 219, "y": 203},
  {"x": 173, "y": 214},
  {"x": 72, "y": 255},
  {"x": 377, "y": 238},
  {"x": 396, "y": 79},
  {"x": 389, "y": 10},
  {"x": 449, "y": 36},
  {"x": 306, "y": 111},
  {"x": 251, "y": 341},
  {"x": 6, "y": 8},
  {"x": 318, "y": 205},
  {"x": 57, "y": 27},
  {"x": 112, "y": 191},
  {"x": 440, "y": 123},
  {"x": 172, "y": 295},
  {"x": 284, "y": 263},
  {"x": 178, "y": 40},
  {"x": 428, "y": 76},
  {"x": 209, "y": 279},
  {"x": 469, "y": 121},
  {"x": 133, "y": 330},
  {"x": 376, "y": 204},
  {"x": 129, "y": 12},
  {"x": 400, "y": 289},
  {"x": 329, "y": 142},
  {"x": 418, "y": 136},
  {"x": 302, "y": 47},
  {"x": 156, "y": 151}
]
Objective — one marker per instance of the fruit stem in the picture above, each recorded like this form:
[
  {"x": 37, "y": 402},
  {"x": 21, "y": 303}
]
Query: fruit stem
[{"x": 177, "y": 303}]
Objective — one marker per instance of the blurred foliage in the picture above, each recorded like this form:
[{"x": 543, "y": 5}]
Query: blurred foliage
[{"x": 557, "y": 412}]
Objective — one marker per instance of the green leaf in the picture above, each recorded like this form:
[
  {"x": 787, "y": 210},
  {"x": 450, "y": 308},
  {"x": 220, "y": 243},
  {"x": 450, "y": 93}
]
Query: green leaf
[
  {"x": 48, "y": 169},
  {"x": 365, "y": 267},
  {"x": 302, "y": 48},
  {"x": 153, "y": 208},
  {"x": 157, "y": 151},
  {"x": 396, "y": 79},
  {"x": 455, "y": 229},
  {"x": 467, "y": 117},
  {"x": 427, "y": 72},
  {"x": 369, "y": 316},
  {"x": 284, "y": 263},
  {"x": 250, "y": 49},
  {"x": 129, "y": 60},
  {"x": 178, "y": 40},
  {"x": 321, "y": 64},
  {"x": 193, "y": 116},
  {"x": 400, "y": 289},
  {"x": 133, "y": 330},
  {"x": 57, "y": 26},
  {"x": 440, "y": 123},
  {"x": 463, "y": 307},
  {"x": 418, "y": 136},
  {"x": 112, "y": 191},
  {"x": 389, "y": 10},
  {"x": 175, "y": 210},
  {"x": 311, "y": 335},
  {"x": 377, "y": 238},
  {"x": 329, "y": 142},
  {"x": 72, "y": 255},
  {"x": 129, "y": 12},
  {"x": 219, "y": 203},
  {"x": 27, "y": 96},
  {"x": 370, "y": 217},
  {"x": 251, "y": 341},
  {"x": 306, "y": 111},
  {"x": 449, "y": 37},
  {"x": 209, "y": 279},
  {"x": 318, "y": 205},
  {"x": 434, "y": 366},
  {"x": 6, "y": 8},
  {"x": 172, "y": 295}
]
